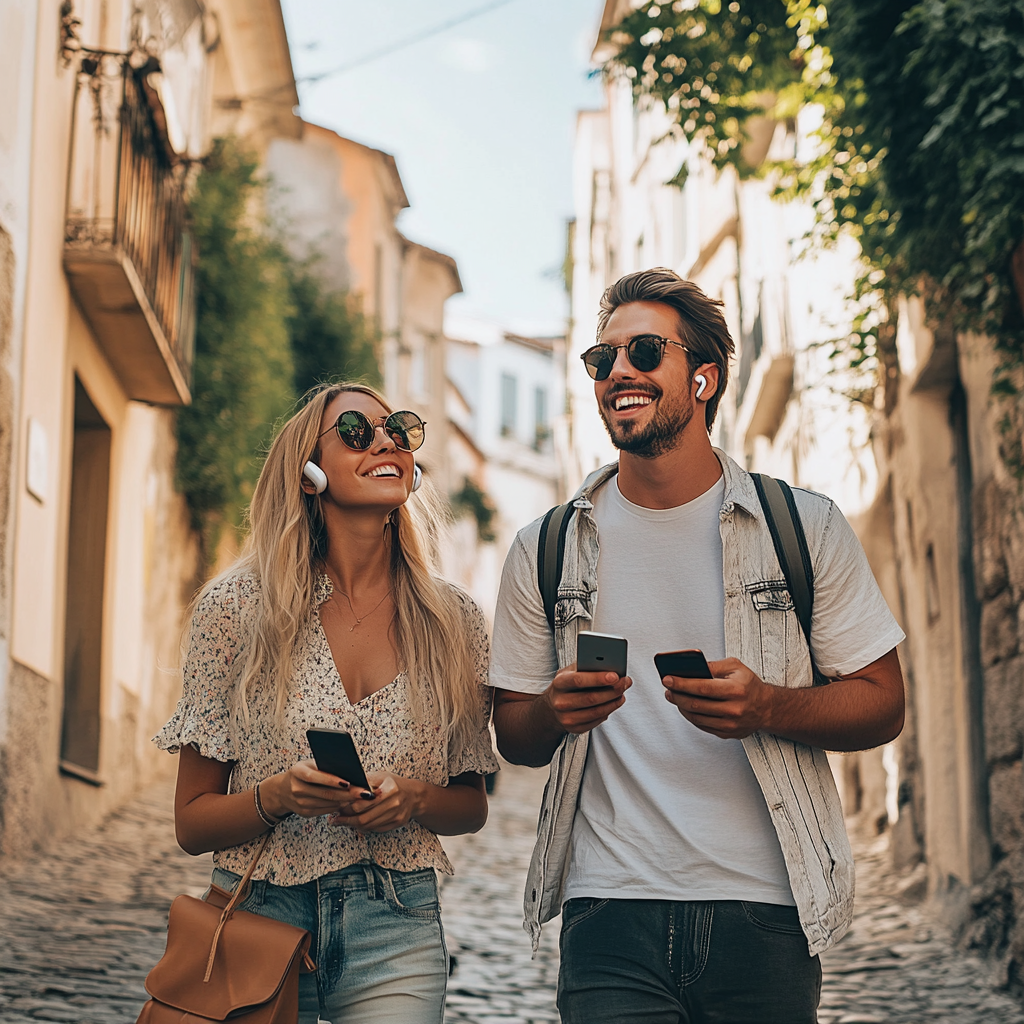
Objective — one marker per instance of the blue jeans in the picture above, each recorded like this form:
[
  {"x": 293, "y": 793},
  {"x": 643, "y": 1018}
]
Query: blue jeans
[
  {"x": 377, "y": 942},
  {"x": 663, "y": 962}
]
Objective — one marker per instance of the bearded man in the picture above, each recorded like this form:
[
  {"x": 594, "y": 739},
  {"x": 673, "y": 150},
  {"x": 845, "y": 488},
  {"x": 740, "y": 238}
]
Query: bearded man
[{"x": 691, "y": 835}]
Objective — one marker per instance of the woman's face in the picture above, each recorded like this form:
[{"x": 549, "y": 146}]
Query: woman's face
[{"x": 378, "y": 478}]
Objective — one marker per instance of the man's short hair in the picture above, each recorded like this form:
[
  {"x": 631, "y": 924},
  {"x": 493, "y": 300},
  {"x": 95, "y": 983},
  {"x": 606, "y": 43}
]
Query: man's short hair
[{"x": 701, "y": 324}]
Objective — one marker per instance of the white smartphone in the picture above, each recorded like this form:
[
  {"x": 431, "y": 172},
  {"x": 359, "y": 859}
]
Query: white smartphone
[{"x": 600, "y": 652}]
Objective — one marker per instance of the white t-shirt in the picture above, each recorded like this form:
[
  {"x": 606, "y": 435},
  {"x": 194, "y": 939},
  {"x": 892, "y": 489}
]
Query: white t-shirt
[{"x": 667, "y": 811}]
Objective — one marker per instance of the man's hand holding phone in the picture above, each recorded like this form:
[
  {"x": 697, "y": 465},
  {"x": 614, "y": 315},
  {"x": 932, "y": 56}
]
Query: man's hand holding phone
[
  {"x": 730, "y": 702},
  {"x": 582, "y": 695}
]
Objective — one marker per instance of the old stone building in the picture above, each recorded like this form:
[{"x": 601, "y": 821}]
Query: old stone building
[
  {"x": 955, "y": 545},
  {"x": 916, "y": 463},
  {"x": 107, "y": 107},
  {"x": 340, "y": 201}
]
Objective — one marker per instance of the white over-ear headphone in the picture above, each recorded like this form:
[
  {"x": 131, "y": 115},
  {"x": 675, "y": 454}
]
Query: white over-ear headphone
[
  {"x": 703, "y": 383},
  {"x": 316, "y": 476}
]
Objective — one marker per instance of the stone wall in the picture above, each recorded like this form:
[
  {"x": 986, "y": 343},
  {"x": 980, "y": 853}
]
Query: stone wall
[
  {"x": 956, "y": 548},
  {"x": 997, "y": 903}
]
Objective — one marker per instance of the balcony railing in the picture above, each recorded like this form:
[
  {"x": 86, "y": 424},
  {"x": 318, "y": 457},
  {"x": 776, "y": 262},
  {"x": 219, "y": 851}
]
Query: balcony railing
[{"x": 128, "y": 251}]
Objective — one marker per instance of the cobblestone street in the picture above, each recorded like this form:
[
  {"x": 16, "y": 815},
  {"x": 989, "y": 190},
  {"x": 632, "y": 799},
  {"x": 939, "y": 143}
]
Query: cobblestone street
[{"x": 80, "y": 929}]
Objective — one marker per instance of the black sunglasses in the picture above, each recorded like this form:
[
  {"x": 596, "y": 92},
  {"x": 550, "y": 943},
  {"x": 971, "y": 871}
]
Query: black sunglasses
[
  {"x": 357, "y": 430},
  {"x": 644, "y": 353}
]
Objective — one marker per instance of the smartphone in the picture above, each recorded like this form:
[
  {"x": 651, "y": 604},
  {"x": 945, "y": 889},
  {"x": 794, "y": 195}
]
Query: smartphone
[
  {"x": 682, "y": 664},
  {"x": 600, "y": 652},
  {"x": 335, "y": 753}
]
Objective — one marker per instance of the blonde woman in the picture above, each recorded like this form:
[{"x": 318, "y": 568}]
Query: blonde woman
[{"x": 333, "y": 618}]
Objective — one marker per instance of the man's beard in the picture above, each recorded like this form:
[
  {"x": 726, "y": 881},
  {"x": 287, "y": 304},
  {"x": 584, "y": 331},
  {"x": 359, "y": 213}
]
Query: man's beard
[{"x": 661, "y": 434}]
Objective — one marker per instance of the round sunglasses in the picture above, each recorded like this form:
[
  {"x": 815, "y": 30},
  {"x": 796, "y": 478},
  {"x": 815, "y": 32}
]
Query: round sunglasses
[
  {"x": 644, "y": 353},
  {"x": 357, "y": 430}
]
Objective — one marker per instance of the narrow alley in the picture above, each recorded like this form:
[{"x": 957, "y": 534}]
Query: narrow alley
[{"x": 80, "y": 928}]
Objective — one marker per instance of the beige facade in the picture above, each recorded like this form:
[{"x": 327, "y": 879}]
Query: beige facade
[
  {"x": 340, "y": 201},
  {"x": 111, "y": 105}
]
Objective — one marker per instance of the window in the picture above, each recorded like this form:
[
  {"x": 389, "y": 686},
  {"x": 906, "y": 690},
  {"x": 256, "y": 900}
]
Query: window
[
  {"x": 541, "y": 427},
  {"x": 508, "y": 405},
  {"x": 418, "y": 373}
]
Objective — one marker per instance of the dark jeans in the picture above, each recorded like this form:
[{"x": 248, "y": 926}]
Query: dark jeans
[{"x": 662, "y": 962}]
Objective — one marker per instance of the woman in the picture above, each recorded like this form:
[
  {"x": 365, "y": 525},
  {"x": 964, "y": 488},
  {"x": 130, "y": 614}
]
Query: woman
[{"x": 332, "y": 618}]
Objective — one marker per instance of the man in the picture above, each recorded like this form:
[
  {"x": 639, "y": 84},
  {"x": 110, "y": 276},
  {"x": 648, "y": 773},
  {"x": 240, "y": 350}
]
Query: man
[{"x": 691, "y": 833}]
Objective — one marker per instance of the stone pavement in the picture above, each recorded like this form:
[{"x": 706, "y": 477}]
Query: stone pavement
[
  {"x": 80, "y": 928},
  {"x": 482, "y": 909},
  {"x": 896, "y": 965}
]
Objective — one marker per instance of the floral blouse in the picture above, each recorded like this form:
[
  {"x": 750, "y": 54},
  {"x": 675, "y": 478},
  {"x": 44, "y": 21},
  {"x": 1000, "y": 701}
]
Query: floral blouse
[{"x": 387, "y": 736}]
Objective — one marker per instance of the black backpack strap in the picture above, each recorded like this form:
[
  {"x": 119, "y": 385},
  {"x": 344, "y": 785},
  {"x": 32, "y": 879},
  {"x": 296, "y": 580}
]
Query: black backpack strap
[
  {"x": 790, "y": 544},
  {"x": 550, "y": 554}
]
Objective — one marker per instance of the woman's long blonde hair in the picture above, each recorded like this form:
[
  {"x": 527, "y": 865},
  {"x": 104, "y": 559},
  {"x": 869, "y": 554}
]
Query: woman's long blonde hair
[{"x": 285, "y": 551}]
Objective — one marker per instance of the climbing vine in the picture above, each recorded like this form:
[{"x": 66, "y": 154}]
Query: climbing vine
[
  {"x": 920, "y": 152},
  {"x": 472, "y": 500},
  {"x": 266, "y": 330}
]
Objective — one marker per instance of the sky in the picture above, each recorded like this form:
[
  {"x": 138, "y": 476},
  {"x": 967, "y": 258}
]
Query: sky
[{"x": 480, "y": 118}]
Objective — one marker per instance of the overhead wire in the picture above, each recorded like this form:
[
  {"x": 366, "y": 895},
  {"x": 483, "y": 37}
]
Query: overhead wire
[
  {"x": 418, "y": 37},
  {"x": 271, "y": 94}
]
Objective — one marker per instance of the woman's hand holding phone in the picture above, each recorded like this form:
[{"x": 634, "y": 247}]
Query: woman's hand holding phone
[
  {"x": 396, "y": 802},
  {"x": 307, "y": 792}
]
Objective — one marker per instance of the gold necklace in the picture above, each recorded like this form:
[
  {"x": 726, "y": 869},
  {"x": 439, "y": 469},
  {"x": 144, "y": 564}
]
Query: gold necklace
[{"x": 366, "y": 615}]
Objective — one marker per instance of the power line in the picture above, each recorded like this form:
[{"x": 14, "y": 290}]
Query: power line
[{"x": 401, "y": 44}]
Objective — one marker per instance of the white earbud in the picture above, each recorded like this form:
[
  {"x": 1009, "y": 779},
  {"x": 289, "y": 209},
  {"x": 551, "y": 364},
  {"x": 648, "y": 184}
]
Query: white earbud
[
  {"x": 316, "y": 476},
  {"x": 703, "y": 383},
  {"x": 417, "y": 477}
]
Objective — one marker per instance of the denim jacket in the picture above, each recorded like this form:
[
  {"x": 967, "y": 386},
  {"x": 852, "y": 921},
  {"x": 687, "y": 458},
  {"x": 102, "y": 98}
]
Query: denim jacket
[{"x": 762, "y": 631}]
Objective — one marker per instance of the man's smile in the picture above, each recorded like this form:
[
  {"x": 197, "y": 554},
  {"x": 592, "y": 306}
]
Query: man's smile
[{"x": 622, "y": 402}]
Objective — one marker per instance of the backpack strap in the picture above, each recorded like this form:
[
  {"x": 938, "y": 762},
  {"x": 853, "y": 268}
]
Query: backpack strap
[
  {"x": 550, "y": 554},
  {"x": 790, "y": 545}
]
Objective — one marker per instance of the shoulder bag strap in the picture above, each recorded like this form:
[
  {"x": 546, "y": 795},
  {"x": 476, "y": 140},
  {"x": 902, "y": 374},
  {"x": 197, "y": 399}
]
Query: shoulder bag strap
[
  {"x": 790, "y": 545},
  {"x": 550, "y": 555},
  {"x": 241, "y": 890}
]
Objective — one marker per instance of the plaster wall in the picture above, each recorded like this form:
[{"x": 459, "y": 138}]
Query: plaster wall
[
  {"x": 429, "y": 279},
  {"x": 150, "y": 559},
  {"x": 521, "y": 480},
  {"x": 307, "y": 201},
  {"x": 18, "y": 28}
]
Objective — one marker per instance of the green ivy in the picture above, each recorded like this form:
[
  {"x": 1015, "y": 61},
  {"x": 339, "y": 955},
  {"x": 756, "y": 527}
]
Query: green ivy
[
  {"x": 242, "y": 372},
  {"x": 472, "y": 500},
  {"x": 266, "y": 330},
  {"x": 329, "y": 339},
  {"x": 921, "y": 152}
]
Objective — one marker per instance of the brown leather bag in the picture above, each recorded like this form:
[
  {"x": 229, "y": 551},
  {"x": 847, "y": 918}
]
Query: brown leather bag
[{"x": 225, "y": 963}]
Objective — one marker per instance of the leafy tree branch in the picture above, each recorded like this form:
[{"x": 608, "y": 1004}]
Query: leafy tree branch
[{"x": 920, "y": 152}]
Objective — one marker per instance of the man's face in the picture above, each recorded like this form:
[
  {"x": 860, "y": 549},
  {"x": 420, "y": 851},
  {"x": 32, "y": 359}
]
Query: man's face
[{"x": 645, "y": 413}]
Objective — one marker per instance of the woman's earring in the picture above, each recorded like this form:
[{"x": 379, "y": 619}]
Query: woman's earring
[
  {"x": 316, "y": 476},
  {"x": 417, "y": 477}
]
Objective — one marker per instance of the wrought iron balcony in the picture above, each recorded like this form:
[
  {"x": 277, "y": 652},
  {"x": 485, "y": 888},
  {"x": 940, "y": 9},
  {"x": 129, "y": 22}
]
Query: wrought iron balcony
[{"x": 127, "y": 247}]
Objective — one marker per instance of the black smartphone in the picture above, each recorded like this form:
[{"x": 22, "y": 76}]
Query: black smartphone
[
  {"x": 600, "y": 652},
  {"x": 335, "y": 753},
  {"x": 682, "y": 664}
]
